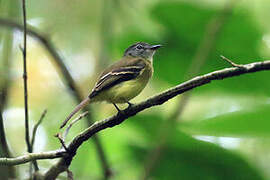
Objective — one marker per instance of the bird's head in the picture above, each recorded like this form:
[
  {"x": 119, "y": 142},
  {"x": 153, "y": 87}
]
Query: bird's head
[{"x": 142, "y": 50}]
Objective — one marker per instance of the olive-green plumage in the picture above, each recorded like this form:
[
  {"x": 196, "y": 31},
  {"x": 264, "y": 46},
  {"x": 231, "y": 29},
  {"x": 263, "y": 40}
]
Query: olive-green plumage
[
  {"x": 123, "y": 80},
  {"x": 124, "y": 91}
]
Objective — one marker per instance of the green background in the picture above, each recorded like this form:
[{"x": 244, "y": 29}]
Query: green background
[{"x": 223, "y": 132}]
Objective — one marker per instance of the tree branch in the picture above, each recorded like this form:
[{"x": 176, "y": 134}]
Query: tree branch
[
  {"x": 31, "y": 157},
  {"x": 231, "y": 62},
  {"x": 36, "y": 127},
  {"x": 26, "y": 114},
  {"x": 34, "y": 131},
  {"x": 33, "y": 141},
  {"x": 73, "y": 122},
  {"x": 27, "y": 136},
  {"x": 68, "y": 80},
  {"x": 63, "y": 164},
  {"x": 61, "y": 140}
]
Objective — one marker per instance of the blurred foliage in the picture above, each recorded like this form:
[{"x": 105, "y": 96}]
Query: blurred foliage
[
  {"x": 247, "y": 123},
  {"x": 188, "y": 158},
  {"x": 89, "y": 35}
]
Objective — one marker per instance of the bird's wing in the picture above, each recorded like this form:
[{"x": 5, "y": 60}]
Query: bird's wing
[{"x": 129, "y": 69}]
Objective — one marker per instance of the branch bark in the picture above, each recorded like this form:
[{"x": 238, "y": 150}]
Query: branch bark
[{"x": 63, "y": 164}]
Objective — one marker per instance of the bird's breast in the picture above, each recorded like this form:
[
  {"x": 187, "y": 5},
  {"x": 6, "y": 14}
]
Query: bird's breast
[{"x": 127, "y": 90}]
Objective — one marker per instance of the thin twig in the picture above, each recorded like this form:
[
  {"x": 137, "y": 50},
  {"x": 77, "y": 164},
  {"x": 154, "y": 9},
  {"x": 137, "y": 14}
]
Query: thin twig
[
  {"x": 159, "y": 99},
  {"x": 73, "y": 122},
  {"x": 36, "y": 127},
  {"x": 24, "y": 49},
  {"x": 231, "y": 62},
  {"x": 26, "y": 114},
  {"x": 61, "y": 140},
  {"x": 27, "y": 137}
]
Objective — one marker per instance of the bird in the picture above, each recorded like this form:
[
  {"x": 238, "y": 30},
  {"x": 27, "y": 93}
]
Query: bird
[{"x": 123, "y": 80}]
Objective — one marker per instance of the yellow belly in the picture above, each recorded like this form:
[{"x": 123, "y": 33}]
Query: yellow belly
[{"x": 126, "y": 90}]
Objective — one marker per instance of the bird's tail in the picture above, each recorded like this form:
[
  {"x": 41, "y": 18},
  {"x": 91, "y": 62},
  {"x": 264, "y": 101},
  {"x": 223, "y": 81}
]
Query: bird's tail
[{"x": 77, "y": 108}]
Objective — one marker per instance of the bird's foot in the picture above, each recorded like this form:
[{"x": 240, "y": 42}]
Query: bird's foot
[
  {"x": 129, "y": 104},
  {"x": 118, "y": 109}
]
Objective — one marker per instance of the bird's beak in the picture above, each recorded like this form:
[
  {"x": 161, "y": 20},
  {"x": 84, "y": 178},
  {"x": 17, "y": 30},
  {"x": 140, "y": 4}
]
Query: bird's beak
[{"x": 155, "y": 47}]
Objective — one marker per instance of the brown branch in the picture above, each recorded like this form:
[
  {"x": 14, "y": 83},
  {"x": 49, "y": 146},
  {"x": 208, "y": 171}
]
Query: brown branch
[
  {"x": 36, "y": 127},
  {"x": 33, "y": 141},
  {"x": 231, "y": 62},
  {"x": 24, "y": 49},
  {"x": 67, "y": 78},
  {"x": 63, "y": 164},
  {"x": 61, "y": 140},
  {"x": 26, "y": 114},
  {"x": 73, "y": 122}
]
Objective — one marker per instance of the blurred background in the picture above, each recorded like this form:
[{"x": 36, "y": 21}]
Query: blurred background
[{"x": 218, "y": 131}]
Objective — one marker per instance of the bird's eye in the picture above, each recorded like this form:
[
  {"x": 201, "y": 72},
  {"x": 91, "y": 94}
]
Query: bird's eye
[{"x": 139, "y": 47}]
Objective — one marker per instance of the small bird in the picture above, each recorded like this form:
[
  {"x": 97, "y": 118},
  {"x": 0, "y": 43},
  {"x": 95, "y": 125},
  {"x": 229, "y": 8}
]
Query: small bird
[{"x": 123, "y": 80}]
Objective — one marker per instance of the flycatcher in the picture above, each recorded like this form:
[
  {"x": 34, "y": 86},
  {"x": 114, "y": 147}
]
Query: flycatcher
[{"x": 123, "y": 80}]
